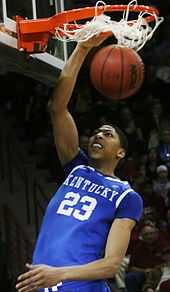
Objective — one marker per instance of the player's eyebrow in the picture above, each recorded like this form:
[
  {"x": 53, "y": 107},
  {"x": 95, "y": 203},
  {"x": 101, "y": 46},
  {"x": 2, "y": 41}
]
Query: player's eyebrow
[{"x": 104, "y": 130}]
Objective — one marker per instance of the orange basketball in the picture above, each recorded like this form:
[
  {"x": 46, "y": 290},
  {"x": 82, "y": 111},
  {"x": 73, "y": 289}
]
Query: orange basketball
[{"x": 117, "y": 72}]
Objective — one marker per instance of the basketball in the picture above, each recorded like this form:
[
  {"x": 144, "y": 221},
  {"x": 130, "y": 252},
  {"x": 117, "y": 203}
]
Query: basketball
[{"x": 117, "y": 72}]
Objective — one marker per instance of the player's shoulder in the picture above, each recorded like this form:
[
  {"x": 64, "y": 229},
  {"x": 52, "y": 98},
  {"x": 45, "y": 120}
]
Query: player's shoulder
[
  {"x": 121, "y": 185},
  {"x": 129, "y": 202},
  {"x": 131, "y": 194},
  {"x": 127, "y": 189},
  {"x": 79, "y": 161},
  {"x": 124, "y": 188}
]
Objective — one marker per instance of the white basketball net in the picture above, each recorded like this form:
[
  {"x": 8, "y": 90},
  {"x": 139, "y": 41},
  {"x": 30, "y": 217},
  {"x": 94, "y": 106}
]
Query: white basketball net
[{"x": 132, "y": 34}]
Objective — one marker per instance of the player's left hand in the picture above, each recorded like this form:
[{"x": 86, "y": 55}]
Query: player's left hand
[{"x": 38, "y": 276}]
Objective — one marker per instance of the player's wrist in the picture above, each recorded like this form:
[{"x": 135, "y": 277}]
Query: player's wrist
[
  {"x": 70, "y": 273},
  {"x": 64, "y": 275},
  {"x": 83, "y": 47}
]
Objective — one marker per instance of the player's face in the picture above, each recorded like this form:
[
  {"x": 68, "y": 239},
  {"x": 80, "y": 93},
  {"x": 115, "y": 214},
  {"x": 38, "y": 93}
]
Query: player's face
[{"x": 105, "y": 144}]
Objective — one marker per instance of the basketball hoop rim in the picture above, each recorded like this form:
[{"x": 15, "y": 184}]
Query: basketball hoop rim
[
  {"x": 69, "y": 16},
  {"x": 89, "y": 12},
  {"x": 33, "y": 34}
]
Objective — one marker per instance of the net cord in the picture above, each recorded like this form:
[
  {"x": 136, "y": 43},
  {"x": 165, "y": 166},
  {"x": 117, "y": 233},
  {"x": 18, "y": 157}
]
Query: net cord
[{"x": 133, "y": 34}]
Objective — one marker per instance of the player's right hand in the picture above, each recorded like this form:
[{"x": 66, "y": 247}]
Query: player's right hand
[{"x": 94, "y": 41}]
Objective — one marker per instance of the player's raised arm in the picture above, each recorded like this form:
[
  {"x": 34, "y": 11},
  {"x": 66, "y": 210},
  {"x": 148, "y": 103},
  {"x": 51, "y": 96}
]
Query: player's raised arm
[{"x": 64, "y": 128}]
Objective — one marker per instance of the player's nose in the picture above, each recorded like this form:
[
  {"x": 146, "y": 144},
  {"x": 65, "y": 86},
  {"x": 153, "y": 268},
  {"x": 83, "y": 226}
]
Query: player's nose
[{"x": 99, "y": 135}]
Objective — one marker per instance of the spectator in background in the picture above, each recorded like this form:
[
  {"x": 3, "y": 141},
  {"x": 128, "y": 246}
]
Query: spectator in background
[
  {"x": 161, "y": 186},
  {"x": 149, "y": 215},
  {"x": 131, "y": 168},
  {"x": 164, "y": 147},
  {"x": 117, "y": 284},
  {"x": 133, "y": 132},
  {"x": 151, "y": 163},
  {"x": 153, "y": 140},
  {"x": 166, "y": 227},
  {"x": 153, "y": 202},
  {"x": 145, "y": 261},
  {"x": 136, "y": 234},
  {"x": 164, "y": 284},
  {"x": 155, "y": 119},
  {"x": 156, "y": 113},
  {"x": 140, "y": 177},
  {"x": 168, "y": 222}
]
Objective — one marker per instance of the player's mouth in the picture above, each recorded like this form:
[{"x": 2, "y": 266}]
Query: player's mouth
[{"x": 96, "y": 146}]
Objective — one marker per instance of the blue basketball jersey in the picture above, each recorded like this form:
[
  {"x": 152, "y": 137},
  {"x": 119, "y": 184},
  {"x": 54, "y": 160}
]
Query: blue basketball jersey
[{"x": 79, "y": 216}]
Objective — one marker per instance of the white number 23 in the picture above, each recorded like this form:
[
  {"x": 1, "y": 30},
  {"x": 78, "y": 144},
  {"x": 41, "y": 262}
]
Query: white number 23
[{"x": 68, "y": 206}]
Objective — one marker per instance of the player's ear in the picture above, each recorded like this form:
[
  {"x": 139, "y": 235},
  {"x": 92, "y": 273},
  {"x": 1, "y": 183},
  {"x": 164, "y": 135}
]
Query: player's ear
[{"x": 121, "y": 153}]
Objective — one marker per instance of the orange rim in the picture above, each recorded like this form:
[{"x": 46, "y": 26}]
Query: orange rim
[
  {"x": 34, "y": 33},
  {"x": 89, "y": 12},
  {"x": 68, "y": 16}
]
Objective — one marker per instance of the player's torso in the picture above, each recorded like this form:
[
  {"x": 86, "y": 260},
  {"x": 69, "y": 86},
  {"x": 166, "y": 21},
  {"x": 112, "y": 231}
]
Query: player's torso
[{"x": 78, "y": 218}]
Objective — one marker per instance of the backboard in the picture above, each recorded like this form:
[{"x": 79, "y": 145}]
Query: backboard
[{"x": 56, "y": 53}]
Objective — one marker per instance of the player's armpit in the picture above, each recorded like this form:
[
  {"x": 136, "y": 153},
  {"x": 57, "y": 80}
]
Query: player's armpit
[{"x": 118, "y": 241}]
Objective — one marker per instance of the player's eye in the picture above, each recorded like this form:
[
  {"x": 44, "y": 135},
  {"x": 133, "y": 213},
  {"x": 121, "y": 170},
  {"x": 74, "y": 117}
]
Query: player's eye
[{"x": 108, "y": 134}]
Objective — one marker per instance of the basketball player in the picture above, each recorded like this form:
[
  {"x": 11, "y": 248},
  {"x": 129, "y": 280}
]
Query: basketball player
[{"x": 87, "y": 225}]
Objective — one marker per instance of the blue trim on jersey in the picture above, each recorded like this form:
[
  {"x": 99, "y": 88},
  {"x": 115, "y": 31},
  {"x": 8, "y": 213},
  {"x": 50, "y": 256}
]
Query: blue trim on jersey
[{"x": 132, "y": 202}]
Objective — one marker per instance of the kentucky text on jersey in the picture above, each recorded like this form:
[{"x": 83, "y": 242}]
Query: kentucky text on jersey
[{"x": 81, "y": 183}]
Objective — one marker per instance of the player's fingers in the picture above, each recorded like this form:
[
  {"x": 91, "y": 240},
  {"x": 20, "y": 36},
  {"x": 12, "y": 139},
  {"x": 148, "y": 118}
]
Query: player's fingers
[
  {"x": 31, "y": 281},
  {"x": 27, "y": 289},
  {"x": 101, "y": 37},
  {"x": 32, "y": 267},
  {"x": 27, "y": 275},
  {"x": 31, "y": 287},
  {"x": 25, "y": 283}
]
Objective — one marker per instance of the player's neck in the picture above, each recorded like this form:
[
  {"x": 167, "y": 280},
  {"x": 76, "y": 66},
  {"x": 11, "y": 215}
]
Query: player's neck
[{"x": 104, "y": 168}]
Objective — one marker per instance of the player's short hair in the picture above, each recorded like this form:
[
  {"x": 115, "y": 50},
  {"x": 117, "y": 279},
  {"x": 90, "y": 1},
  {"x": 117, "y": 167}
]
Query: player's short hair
[{"x": 122, "y": 137}]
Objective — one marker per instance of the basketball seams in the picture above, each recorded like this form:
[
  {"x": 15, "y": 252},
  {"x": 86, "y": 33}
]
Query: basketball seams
[
  {"x": 121, "y": 72},
  {"x": 140, "y": 70},
  {"x": 117, "y": 72},
  {"x": 102, "y": 80}
]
